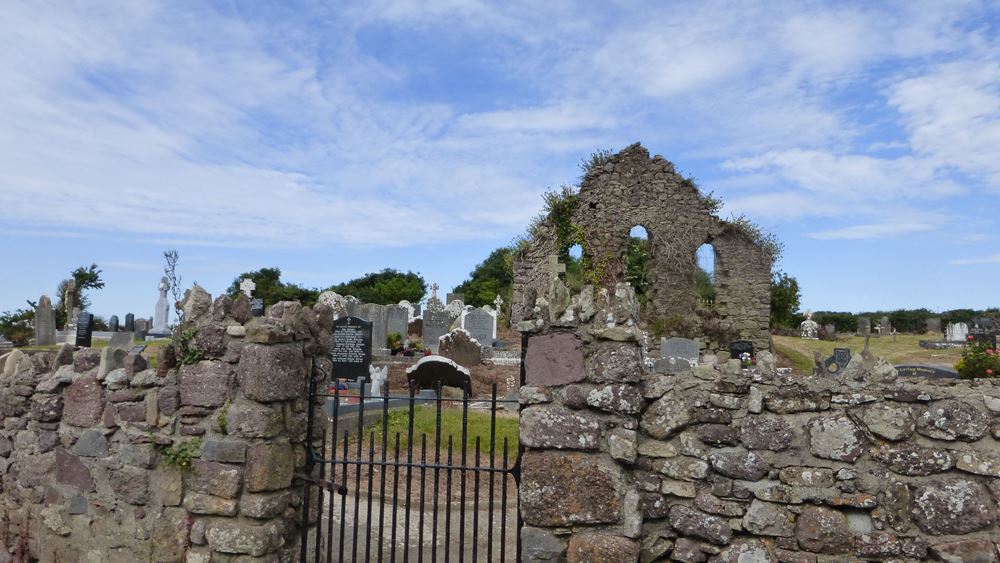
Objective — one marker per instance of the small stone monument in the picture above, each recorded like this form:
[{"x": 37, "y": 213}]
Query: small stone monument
[
  {"x": 161, "y": 315},
  {"x": 378, "y": 377},
  {"x": 247, "y": 286},
  {"x": 69, "y": 303},
  {"x": 113, "y": 323},
  {"x": 809, "y": 328},
  {"x": 45, "y": 322},
  {"x": 130, "y": 323},
  {"x": 676, "y": 355}
]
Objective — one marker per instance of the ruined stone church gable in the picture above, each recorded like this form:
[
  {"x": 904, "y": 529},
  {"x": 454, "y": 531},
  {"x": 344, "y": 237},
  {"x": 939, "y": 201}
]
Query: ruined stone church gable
[{"x": 633, "y": 189}]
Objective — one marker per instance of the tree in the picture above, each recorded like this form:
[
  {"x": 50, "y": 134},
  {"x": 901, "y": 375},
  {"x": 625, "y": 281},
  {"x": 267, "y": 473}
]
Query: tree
[
  {"x": 85, "y": 278},
  {"x": 271, "y": 289},
  {"x": 491, "y": 277},
  {"x": 785, "y": 297},
  {"x": 17, "y": 326},
  {"x": 387, "y": 287}
]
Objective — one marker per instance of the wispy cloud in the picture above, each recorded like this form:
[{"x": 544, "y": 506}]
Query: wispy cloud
[
  {"x": 879, "y": 230},
  {"x": 992, "y": 259}
]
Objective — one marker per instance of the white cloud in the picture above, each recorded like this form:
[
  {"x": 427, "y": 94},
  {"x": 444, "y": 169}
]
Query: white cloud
[
  {"x": 878, "y": 230},
  {"x": 992, "y": 259}
]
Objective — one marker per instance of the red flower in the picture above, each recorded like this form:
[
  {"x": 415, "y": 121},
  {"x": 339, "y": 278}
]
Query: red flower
[
  {"x": 969, "y": 338},
  {"x": 989, "y": 371}
]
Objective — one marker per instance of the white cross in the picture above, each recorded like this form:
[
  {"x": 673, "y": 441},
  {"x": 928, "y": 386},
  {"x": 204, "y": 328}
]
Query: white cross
[
  {"x": 247, "y": 286},
  {"x": 553, "y": 267},
  {"x": 498, "y": 302},
  {"x": 434, "y": 290}
]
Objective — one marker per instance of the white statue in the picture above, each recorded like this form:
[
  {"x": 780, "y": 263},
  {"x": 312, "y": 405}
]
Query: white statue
[
  {"x": 378, "y": 377},
  {"x": 809, "y": 328}
]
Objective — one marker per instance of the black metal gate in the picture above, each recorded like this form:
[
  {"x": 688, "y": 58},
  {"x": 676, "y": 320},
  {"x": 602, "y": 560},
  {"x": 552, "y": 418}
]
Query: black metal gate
[{"x": 373, "y": 503}]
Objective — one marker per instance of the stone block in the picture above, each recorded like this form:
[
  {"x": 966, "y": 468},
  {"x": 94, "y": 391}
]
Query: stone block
[
  {"x": 539, "y": 545},
  {"x": 130, "y": 484},
  {"x": 200, "y": 503},
  {"x": 47, "y": 408},
  {"x": 567, "y": 488},
  {"x": 91, "y": 443},
  {"x": 85, "y": 360},
  {"x": 71, "y": 471},
  {"x": 887, "y": 420},
  {"x": 554, "y": 359},
  {"x": 227, "y": 451},
  {"x": 768, "y": 519},
  {"x": 953, "y": 420},
  {"x": 83, "y": 402},
  {"x": 952, "y": 506},
  {"x": 691, "y": 522},
  {"x": 667, "y": 416},
  {"x": 592, "y": 547},
  {"x": 214, "y": 478},
  {"x": 269, "y": 467},
  {"x": 240, "y": 537},
  {"x": 912, "y": 460},
  {"x": 556, "y": 427},
  {"x": 966, "y": 551},
  {"x": 822, "y": 530},
  {"x": 205, "y": 384},
  {"x": 613, "y": 362},
  {"x": 796, "y": 399},
  {"x": 739, "y": 464},
  {"x": 210, "y": 340},
  {"x": 272, "y": 373},
  {"x": 836, "y": 438},
  {"x": 265, "y": 505},
  {"x": 250, "y": 419},
  {"x": 619, "y": 398},
  {"x": 766, "y": 433}
]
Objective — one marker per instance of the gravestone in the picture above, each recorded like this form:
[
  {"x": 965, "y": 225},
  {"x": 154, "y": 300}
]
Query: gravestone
[
  {"x": 933, "y": 325},
  {"x": 434, "y": 371},
  {"x": 676, "y": 355},
  {"x": 137, "y": 349},
  {"x": 956, "y": 332},
  {"x": 411, "y": 312},
  {"x": 481, "y": 325},
  {"x": 247, "y": 286},
  {"x": 113, "y": 323},
  {"x": 376, "y": 314},
  {"x": 130, "y": 323},
  {"x": 837, "y": 362},
  {"x": 45, "y": 322},
  {"x": 5, "y": 345},
  {"x": 141, "y": 328},
  {"x": 256, "y": 307},
  {"x": 397, "y": 320},
  {"x": 984, "y": 330},
  {"x": 864, "y": 326},
  {"x": 161, "y": 314},
  {"x": 84, "y": 330},
  {"x": 933, "y": 372},
  {"x": 831, "y": 330},
  {"x": 434, "y": 302},
  {"x": 436, "y": 324},
  {"x": 886, "y": 325},
  {"x": 352, "y": 348},
  {"x": 456, "y": 297},
  {"x": 739, "y": 347},
  {"x": 121, "y": 340}
]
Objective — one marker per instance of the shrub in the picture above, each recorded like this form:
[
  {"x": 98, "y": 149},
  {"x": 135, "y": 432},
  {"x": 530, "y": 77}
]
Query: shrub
[{"x": 979, "y": 359}]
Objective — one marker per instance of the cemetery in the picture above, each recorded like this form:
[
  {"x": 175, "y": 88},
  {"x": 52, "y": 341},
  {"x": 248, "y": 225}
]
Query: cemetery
[{"x": 574, "y": 428}]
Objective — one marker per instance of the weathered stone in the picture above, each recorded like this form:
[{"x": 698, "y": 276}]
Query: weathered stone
[
  {"x": 133, "y": 364},
  {"x": 713, "y": 416},
  {"x": 688, "y": 551},
  {"x": 86, "y": 360},
  {"x": 717, "y": 434},
  {"x": 691, "y": 522},
  {"x": 619, "y": 398},
  {"x": 460, "y": 346},
  {"x": 269, "y": 467},
  {"x": 806, "y": 476},
  {"x": 540, "y": 545},
  {"x": 272, "y": 373},
  {"x": 683, "y": 489},
  {"x": 952, "y": 419},
  {"x": 768, "y": 519},
  {"x": 877, "y": 545},
  {"x": 686, "y": 468},
  {"x": 250, "y": 419},
  {"x": 622, "y": 444},
  {"x": 656, "y": 448},
  {"x": 227, "y": 451},
  {"x": 748, "y": 551},
  {"x": 166, "y": 360},
  {"x": 667, "y": 416},
  {"x": 139, "y": 455},
  {"x": 953, "y": 506},
  {"x": 725, "y": 401},
  {"x": 910, "y": 459},
  {"x": 71, "y": 471},
  {"x": 766, "y": 433},
  {"x": 714, "y": 505},
  {"x": 47, "y": 408},
  {"x": 739, "y": 464},
  {"x": 589, "y": 547},
  {"x": 980, "y": 463},
  {"x": 836, "y": 438},
  {"x": 111, "y": 360},
  {"x": 200, "y": 503},
  {"x": 966, "y": 551},
  {"x": 796, "y": 399},
  {"x": 887, "y": 420},
  {"x": 613, "y": 362},
  {"x": 231, "y": 536},
  {"x": 210, "y": 340},
  {"x": 555, "y": 427},
  {"x": 214, "y": 478},
  {"x": 91, "y": 444},
  {"x": 83, "y": 402},
  {"x": 264, "y": 505},
  {"x": 554, "y": 359},
  {"x": 130, "y": 484},
  {"x": 205, "y": 384},
  {"x": 894, "y": 503},
  {"x": 822, "y": 530},
  {"x": 196, "y": 303},
  {"x": 560, "y": 489}
]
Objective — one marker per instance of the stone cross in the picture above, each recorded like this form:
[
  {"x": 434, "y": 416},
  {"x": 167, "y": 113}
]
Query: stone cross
[
  {"x": 498, "y": 302},
  {"x": 247, "y": 286},
  {"x": 434, "y": 290},
  {"x": 553, "y": 267}
]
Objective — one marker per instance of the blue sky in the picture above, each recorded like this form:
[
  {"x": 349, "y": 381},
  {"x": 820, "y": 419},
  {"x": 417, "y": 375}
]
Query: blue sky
[{"x": 332, "y": 139}]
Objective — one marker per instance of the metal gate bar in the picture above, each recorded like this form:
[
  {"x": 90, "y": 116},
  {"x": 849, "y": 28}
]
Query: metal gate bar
[{"x": 431, "y": 544}]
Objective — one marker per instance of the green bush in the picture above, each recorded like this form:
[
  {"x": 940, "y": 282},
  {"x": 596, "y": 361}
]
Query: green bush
[{"x": 979, "y": 359}]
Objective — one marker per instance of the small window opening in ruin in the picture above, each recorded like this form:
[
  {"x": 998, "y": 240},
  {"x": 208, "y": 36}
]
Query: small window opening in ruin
[
  {"x": 575, "y": 277},
  {"x": 593, "y": 205},
  {"x": 704, "y": 275},
  {"x": 637, "y": 260}
]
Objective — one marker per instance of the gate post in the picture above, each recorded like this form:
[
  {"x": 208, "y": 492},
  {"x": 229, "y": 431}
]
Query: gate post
[{"x": 578, "y": 425}]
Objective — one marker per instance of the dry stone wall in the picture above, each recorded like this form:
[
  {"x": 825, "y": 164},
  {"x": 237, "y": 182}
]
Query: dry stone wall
[
  {"x": 102, "y": 459},
  {"x": 732, "y": 465},
  {"x": 632, "y": 189}
]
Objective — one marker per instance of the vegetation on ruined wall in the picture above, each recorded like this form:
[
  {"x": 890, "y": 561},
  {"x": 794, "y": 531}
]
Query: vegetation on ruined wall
[
  {"x": 271, "y": 289},
  {"x": 387, "y": 287},
  {"x": 180, "y": 456},
  {"x": 768, "y": 242}
]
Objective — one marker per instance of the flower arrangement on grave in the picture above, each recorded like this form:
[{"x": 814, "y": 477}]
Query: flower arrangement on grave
[
  {"x": 746, "y": 360},
  {"x": 979, "y": 359}
]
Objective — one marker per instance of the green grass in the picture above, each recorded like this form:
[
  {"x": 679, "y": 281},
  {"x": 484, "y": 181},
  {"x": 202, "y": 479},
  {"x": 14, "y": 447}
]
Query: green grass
[
  {"x": 905, "y": 350},
  {"x": 451, "y": 425},
  {"x": 801, "y": 363}
]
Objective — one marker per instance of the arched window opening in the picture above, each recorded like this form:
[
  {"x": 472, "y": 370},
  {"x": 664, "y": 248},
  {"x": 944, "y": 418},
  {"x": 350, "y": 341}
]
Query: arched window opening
[
  {"x": 574, "y": 268},
  {"x": 704, "y": 275},
  {"x": 637, "y": 259}
]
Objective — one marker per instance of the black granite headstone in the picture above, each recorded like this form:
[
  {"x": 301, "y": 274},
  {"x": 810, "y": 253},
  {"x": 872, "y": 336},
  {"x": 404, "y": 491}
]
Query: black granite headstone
[
  {"x": 738, "y": 347},
  {"x": 257, "y": 307},
  {"x": 934, "y": 372},
  {"x": 84, "y": 330},
  {"x": 137, "y": 349},
  {"x": 113, "y": 323},
  {"x": 352, "y": 348},
  {"x": 130, "y": 323},
  {"x": 838, "y": 361}
]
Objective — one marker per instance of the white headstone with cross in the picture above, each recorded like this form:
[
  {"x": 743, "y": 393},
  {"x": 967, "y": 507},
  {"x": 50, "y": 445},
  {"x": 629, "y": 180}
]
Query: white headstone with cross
[
  {"x": 247, "y": 286},
  {"x": 498, "y": 302}
]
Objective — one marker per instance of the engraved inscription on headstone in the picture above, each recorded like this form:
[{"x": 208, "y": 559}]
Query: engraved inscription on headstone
[
  {"x": 352, "y": 347},
  {"x": 436, "y": 324},
  {"x": 481, "y": 325},
  {"x": 257, "y": 307},
  {"x": 84, "y": 330},
  {"x": 676, "y": 355},
  {"x": 377, "y": 315},
  {"x": 397, "y": 320},
  {"x": 934, "y": 372}
]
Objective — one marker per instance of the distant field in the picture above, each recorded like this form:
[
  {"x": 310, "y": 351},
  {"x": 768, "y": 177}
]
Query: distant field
[{"x": 905, "y": 350}]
